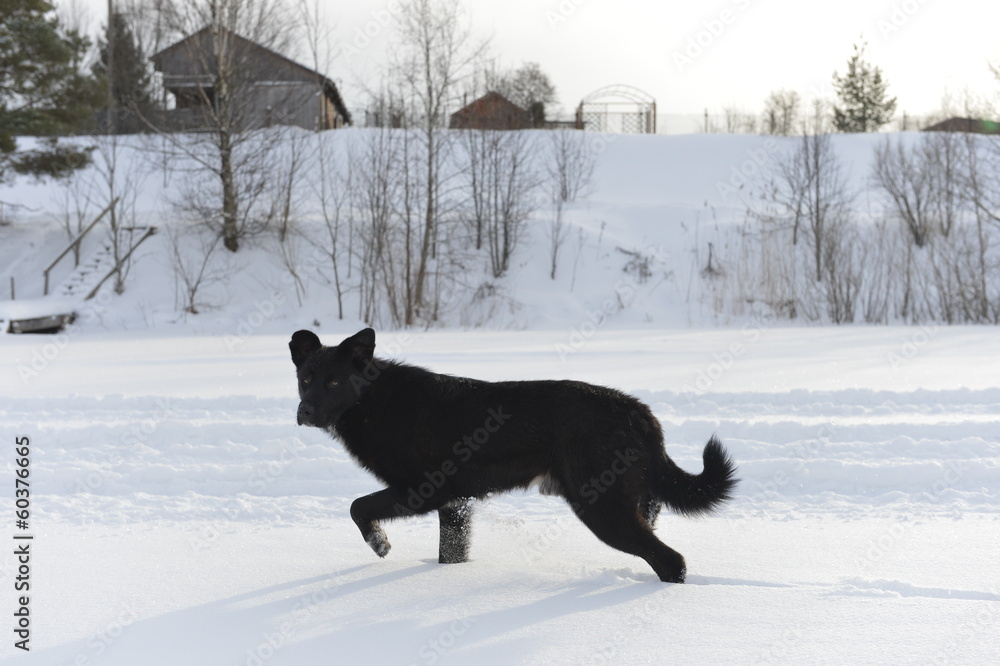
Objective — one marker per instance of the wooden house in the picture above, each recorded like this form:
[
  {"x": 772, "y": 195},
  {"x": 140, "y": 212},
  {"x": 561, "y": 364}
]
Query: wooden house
[
  {"x": 492, "y": 111},
  {"x": 267, "y": 88}
]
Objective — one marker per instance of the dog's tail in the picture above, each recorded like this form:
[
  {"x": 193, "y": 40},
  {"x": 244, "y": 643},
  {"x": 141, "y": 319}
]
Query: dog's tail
[{"x": 692, "y": 494}]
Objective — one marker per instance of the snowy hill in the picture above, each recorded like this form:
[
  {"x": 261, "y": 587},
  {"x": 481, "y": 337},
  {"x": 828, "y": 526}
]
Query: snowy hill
[{"x": 656, "y": 199}]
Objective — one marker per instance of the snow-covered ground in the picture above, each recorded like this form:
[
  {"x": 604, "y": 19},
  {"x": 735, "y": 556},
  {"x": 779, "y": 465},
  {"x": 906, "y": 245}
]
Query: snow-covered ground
[{"x": 181, "y": 517}]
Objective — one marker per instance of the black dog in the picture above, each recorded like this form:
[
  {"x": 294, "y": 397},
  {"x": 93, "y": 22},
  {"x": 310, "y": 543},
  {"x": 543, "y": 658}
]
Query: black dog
[{"x": 438, "y": 441}]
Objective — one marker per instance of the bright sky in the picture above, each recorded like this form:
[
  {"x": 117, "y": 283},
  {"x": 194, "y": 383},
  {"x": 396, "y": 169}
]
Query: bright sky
[{"x": 696, "y": 55}]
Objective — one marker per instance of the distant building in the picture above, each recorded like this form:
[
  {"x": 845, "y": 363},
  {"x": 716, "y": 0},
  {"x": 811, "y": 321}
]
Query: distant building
[
  {"x": 971, "y": 125},
  {"x": 492, "y": 111},
  {"x": 270, "y": 88}
]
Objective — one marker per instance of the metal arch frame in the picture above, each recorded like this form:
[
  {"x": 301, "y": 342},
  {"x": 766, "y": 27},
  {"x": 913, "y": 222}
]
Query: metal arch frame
[
  {"x": 631, "y": 93},
  {"x": 627, "y": 95}
]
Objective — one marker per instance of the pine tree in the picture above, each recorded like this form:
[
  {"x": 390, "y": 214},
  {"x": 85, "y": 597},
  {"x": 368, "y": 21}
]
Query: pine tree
[
  {"x": 865, "y": 105},
  {"x": 43, "y": 91},
  {"x": 132, "y": 84}
]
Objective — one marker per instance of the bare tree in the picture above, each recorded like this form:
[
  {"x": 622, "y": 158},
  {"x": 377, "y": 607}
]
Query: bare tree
[
  {"x": 218, "y": 41},
  {"x": 569, "y": 169},
  {"x": 76, "y": 198},
  {"x": 298, "y": 162},
  {"x": 381, "y": 181},
  {"x": 436, "y": 52},
  {"x": 502, "y": 184},
  {"x": 191, "y": 257},
  {"x": 924, "y": 182},
  {"x": 781, "y": 113},
  {"x": 119, "y": 188},
  {"x": 527, "y": 86},
  {"x": 333, "y": 193},
  {"x": 810, "y": 192},
  {"x": 908, "y": 181},
  {"x": 737, "y": 120}
]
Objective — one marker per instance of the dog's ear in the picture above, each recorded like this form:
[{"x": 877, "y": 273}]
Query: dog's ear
[
  {"x": 361, "y": 345},
  {"x": 303, "y": 343}
]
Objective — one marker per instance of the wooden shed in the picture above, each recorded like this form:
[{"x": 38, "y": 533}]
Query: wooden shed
[
  {"x": 972, "y": 125},
  {"x": 492, "y": 111},
  {"x": 269, "y": 88}
]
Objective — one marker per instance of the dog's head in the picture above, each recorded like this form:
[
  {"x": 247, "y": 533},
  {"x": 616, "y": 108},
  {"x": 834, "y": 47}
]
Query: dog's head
[{"x": 331, "y": 379}]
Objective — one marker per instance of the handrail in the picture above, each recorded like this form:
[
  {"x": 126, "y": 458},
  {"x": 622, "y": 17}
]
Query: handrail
[
  {"x": 75, "y": 241},
  {"x": 149, "y": 232}
]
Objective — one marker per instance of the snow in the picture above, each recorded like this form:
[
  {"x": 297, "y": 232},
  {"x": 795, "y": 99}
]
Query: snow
[
  {"x": 32, "y": 308},
  {"x": 181, "y": 517}
]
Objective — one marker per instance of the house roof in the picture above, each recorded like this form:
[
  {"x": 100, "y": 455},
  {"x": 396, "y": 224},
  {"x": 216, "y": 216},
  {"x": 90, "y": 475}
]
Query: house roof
[
  {"x": 289, "y": 69},
  {"x": 492, "y": 108},
  {"x": 956, "y": 124}
]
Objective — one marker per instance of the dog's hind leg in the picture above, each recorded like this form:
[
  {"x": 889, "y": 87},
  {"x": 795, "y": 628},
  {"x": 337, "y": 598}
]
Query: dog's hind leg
[
  {"x": 619, "y": 524},
  {"x": 650, "y": 509},
  {"x": 455, "y": 520}
]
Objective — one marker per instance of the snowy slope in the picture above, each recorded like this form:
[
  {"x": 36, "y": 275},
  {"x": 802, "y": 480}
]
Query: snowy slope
[
  {"x": 666, "y": 197},
  {"x": 182, "y": 517}
]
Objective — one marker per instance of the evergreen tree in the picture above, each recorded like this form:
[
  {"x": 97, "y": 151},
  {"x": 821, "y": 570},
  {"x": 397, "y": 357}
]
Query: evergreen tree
[
  {"x": 43, "y": 90},
  {"x": 864, "y": 103},
  {"x": 132, "y": 82}
]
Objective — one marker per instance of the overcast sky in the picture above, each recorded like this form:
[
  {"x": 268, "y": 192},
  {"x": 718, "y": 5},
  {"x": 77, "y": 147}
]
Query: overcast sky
[
  {"x": 696, "y": 55},
  {"x": 693, "y": 55}
]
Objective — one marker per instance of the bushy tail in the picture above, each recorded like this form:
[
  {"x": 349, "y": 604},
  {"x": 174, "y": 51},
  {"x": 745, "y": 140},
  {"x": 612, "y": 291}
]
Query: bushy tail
[{"x": 692, "y": 494}]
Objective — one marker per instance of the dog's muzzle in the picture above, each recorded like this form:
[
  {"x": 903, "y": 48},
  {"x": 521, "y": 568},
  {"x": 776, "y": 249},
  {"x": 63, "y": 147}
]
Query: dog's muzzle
[{"x": 305, "y": 414}]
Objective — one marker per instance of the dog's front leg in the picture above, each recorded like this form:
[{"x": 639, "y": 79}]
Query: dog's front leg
[
  {"x": 367, "y": 511},
  {"x": 455, "y": 520}
]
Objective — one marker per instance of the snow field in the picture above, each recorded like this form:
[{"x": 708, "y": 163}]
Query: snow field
[{"x": 190, "y": 521}]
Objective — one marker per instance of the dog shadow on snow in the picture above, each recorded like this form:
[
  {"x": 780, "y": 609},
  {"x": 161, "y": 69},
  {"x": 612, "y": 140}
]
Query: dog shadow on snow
[
  {"x": 307, "y": 620},
  {"x": 311, "y": 621}
]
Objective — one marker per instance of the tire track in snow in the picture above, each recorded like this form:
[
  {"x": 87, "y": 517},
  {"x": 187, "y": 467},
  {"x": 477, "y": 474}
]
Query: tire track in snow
[
  {"x": 847, "y": 451},
  {"x": 843, "y": 452}
]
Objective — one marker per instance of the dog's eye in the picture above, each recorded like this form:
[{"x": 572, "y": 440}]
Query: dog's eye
[
  {"x": 333, "y": 383},
  {"x": 306, "y": 380}
]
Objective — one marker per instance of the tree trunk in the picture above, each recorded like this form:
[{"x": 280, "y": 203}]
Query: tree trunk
[{"x": 230, "y": 205}]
